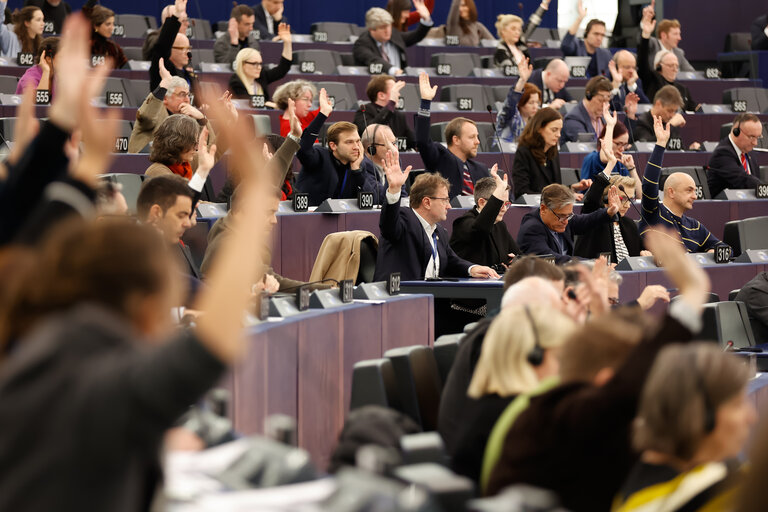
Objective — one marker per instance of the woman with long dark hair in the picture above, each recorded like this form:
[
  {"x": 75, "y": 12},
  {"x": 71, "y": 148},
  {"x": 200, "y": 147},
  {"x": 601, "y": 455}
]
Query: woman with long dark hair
[
  {"x": 462, "y": 22},
  {"x": 103, "y": 22},
  {"x": 27, "y": 34}
]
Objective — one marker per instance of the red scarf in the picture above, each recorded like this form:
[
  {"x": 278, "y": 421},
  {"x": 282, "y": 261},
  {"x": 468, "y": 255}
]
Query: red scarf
[{"x": 183, "y": 169}]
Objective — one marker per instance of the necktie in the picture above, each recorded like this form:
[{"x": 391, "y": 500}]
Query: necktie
[
  {"x": 618, "y": 241},
  {"x": 434, "y": 252},
  {"x": 467, "y": 188},
  {"x": 384, "y": 52},
  {"x": 744, "y": 163}
]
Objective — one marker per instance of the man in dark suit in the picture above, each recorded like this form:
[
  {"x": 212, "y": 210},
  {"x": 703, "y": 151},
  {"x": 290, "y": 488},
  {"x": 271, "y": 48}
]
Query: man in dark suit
[
  {"x": 755, "y": 295},
  {"x": 336, "y": 171},
  {"x": 480, "y": 234},
  {"x": 455, "y": 161},
  {"x": 730, "y": 165},
  {"x": 549, "y": 229},
  {"x": 384, "y": 93},
  {"x": 590, "y": 46},
  {"x": 666, "y": 104},
  {"x": 552, "y": 82},
  {"x": 382, "y": 48},
  {"x": 627, "y": 87},
  {"x": 166, "y": 202},
  {"x": 173, "y": 47},
  {"x": 759, "y": 30},
  {"x": 587, "y": 117},
  {"x": 412, "y": 242},
  {"x": 269, "y": 15}
]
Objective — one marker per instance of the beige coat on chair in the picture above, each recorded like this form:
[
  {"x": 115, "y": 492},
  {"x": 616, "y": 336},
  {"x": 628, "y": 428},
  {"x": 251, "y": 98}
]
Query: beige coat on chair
[{"x": 339, "y": 256}]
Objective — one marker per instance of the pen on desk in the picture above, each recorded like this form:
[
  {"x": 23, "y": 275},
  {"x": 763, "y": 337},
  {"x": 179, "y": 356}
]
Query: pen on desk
[{"x": 671, "y": 290}]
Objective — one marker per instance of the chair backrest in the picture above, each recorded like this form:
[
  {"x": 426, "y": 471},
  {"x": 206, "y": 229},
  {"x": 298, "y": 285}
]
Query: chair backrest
[
  {"x": 369, "y": 249},
  {"x": 570, "y": 175},
  {"x": 8, "y": 84},
  {"x": 262, "y": 123},
  {"x": 418, "y": 383},
  {"x": 7, "y": 128},
  {"x": 134, "y": 25},
  {"x": 738, "y": 42},
  {"x": 500, "y": 92},
  {"x": 317, "y": 61},
  {"x": 464, "y": 94},
  {"x": 201, "y": 55},
  {"x": 342, "y": 95},
  {"x": 764, "y": 173},
  {"x": 576, "y": 92},
  {"x": 132, "y": 53},
  {"x": 374, "y": 383},
  {"x": 334, "y": 256},
  {"x": 697, "y": 173},
  {"x": 199, "y": 28},
  {"x": 733, "y": 293},
  {"x": 334, "y": 31},
  {"x": 727, "y": 321},
  {"x": 485, "y": 133},
  {"x": 411, "y": 97},
  {"x": 461, "y": 64},
  {"x": 746, "y": 234},
  {"x": 756, "y": 98},
  {"x": 131, "y": 186},
  {"x": 445, "y": 349}
]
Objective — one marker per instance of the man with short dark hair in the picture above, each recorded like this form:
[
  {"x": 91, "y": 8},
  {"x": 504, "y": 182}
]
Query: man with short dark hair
[
  {"x": 239, "y": 35},
  {"x": 384, "y": 46},
  {"x": 666, "y": 105},
  {"x": 166, "y": 202},
  {"x": 384, "y": 93},
  {"x": 334, "y": 172},
  {"x": 730, "y": 165},
  {"x": 587, "y": 117},
  {"x": 454, "y": 162},
  {"x": 480, "y": 235},
  {"x": 412, "y": 242},
  {"x": 268, "y": 16},
  {"x": 590, "y": 46},
  {"x": 549, "y": 229}
]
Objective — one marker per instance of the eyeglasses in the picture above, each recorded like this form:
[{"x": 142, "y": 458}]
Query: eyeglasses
[
  {"x": 673, "y": 66},
  {"x": 621, "y": 145},
  {"x": 561, "y": 218},
  {"x": 623, "y": 199},
  {"x": 307, "y": 99},
  {"x": 755, "y": 138},
  {"x": 507, "y": 204},
  {"x": 446, "y": 200},
  {"x": 182, "y": 94},
  {"x": 613, "y": 301},
  {"x": 256, "y": 64},
  {"x": 182, "y": 48}
]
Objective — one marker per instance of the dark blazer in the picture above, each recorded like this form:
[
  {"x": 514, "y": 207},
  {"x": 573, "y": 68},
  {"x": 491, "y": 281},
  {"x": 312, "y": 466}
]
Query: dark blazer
[
  {"x": 573, "y": 46},
  {"x": 321, "y": 175},
  {"x": 375, "y": 114},
  {"x": 503, "y": 54},
  {"x": 404, "y": 247},
  {"x": 575, "y": 122},
  {"x": 725, "y": 169},
  {"x": 529, "y": 176},
  {"x": 237, "y": 88},
  {"x": 536, "y": 80},
  {"x": 759, "y": 39},
  {"x": 162, "y": 49},
  {"x": 437, "y": 158},
  {"x": 478, "y": 238},
  {"x": 536, "y": 238},
  {"x": 617, "y": 101},
  {"x": 186, "y": 261},
  {"x": 366, "y": 51},
  {"x": 654, "y": 81},
  {"x": 600, "y": 238},
  {"x": 642, "y": 129},
  {"x": 755, "y": 295},
  {"x": 260, "y": 23},
  {"x": 596, "y": 453}
]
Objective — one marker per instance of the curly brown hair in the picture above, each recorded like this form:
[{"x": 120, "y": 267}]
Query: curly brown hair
[{"x": 177, "y": 134}]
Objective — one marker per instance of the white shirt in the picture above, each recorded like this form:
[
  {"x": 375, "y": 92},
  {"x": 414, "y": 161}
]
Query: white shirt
[
  {"x": 738, "y": 152},
  {"x": 270, "y": 21}
]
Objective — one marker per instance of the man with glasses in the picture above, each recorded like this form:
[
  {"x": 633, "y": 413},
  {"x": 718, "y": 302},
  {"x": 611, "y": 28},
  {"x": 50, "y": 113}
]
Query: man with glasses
[
  {"x": 480, "y": 235},
  {"x": 587, "y": 117},
  {"x": 377, "y": 139},
  {"x": 412, "y": 242},
  {"x": 590, "y": 46},
  {"x": 173, "y": 47},
  {"x": 239, "y": 35},
  {"x": 627, "y": 87},
  {"x": 731, "y": 166},
  {"x": 549, "y": 229},
  {"x": 666, "y": 104}
]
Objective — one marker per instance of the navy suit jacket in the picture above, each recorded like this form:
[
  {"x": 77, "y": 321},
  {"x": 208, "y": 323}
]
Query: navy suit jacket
[
  {"x": 577, "y": 121},
  {"x": 319, "y": 175},
  {"x": 725, "y": 169},
  {"x": 573, "y": 46},
  {"x": 260, "y": 23},
  {"x": 437, "y": 158},
  {"x": 535, "y": 237},
  {"x": 405, "y": 247},
  {"x": 617, "y": 102},
  {"x": 536, "y": 80}
]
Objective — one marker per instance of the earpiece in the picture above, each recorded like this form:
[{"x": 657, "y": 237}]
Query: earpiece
[
  {"x": 371, "y": 150},
  {"x": 536, "y": 355},
  {"x": 590, "y": 92}
]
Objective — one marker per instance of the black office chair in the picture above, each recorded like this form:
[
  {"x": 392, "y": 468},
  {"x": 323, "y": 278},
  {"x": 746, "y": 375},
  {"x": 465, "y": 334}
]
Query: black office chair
[
  {"x": 756, "y": 98},
  {"x": 733, "y": 293},
  {"x": 697, "y": 173},
  {"x": 418, "y": 383},
  {"x": 374, "y": 383},
  {"x": 461, "y": 64},
  {"x": 570, "y": 175},
  {"x": 368, "y": 251},
  {"x": 134, "y": 25},
  {"x": 485, "y": 133},
  {"x": 8, "y": 84},
  {"x": 334, "y": 31},
  {"x": 478, "y": 94},
  {"x": 746, "y": 234},
  {"x": 323, "y": 61},
  {"x": 727, "y": 321},
  {"x": 342, "y": 94},
  {"x": 445, "y": 349}
]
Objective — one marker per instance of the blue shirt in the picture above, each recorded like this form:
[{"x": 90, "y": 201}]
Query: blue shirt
[{"x": 592, "y": 166}]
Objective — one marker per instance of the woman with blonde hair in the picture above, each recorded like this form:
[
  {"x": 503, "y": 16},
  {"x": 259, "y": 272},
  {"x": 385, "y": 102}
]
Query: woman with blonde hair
[
  {"x": 519, "y": 351},
  {"x": 250, "y": 78},
  {"x": 513, "y": 37}
]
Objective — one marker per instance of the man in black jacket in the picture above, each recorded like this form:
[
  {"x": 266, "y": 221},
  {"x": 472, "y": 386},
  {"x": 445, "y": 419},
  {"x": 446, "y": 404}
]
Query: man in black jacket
[
  {"x": 382, "y": 48},
  {"x": 552, "y": 82},
  {"x": 549, "y": 229},
  {"x": 384, "y": 93},
  {"x": 336, "y": 171},
  {"x": 412, "y": 242},
  {"x": 269, "y": 15},
  {"x": 173, "y": 47},
  {"x": 454, "y": 162},
  {"x": 480, "y": 235},
  {"x": 730, "y": 165},
  {"x": 666, "y": 104},
  {"x": 759, "y": 30}
]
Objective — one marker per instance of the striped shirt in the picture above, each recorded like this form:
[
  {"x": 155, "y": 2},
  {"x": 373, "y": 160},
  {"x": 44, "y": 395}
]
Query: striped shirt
[{"x": 695, "y": 236}]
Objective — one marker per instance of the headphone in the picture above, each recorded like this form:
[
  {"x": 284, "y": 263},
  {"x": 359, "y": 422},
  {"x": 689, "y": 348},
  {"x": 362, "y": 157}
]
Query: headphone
[
  {"x": 536, "y": 355},
  {"x": 371, "y": 150},
  {"x": 737, "y": 127},
  {"x": 709, "y": 410},
  {"x": 590, "y": 93}
]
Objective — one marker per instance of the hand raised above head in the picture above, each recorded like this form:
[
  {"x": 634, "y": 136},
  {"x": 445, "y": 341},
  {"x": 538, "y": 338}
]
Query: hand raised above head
[
  {"x": 395, "y": 177},
  {"x": 427, "y": 91}
]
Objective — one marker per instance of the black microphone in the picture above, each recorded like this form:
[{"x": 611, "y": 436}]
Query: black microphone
[
  {"x": 498, "y": 141},
  {"x": 631, "y": 200},
  {"x": 308, "y": 284}
]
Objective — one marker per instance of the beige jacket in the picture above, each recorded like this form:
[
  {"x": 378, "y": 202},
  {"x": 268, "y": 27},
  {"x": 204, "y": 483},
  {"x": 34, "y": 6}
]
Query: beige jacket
[{"x": 339, "y": 256}]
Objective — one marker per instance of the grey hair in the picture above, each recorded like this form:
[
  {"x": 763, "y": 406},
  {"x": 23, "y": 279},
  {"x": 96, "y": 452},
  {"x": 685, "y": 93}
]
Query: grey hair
[
  {"x": 292, "y": 90},
  {"x": 376, "y": 17},
  {"x": 178, "y": 133},
  {"x": 176, "y": 83},
  {"x": 660, "y": 55},
  {"x": 556, "y": 196}
]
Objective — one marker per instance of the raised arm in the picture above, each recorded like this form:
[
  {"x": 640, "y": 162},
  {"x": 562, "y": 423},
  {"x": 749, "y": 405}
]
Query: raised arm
[
  {"x": 650, "y": 201},
  {"x": 429, "y": 151},
  {"x": 308, "y": 155}
]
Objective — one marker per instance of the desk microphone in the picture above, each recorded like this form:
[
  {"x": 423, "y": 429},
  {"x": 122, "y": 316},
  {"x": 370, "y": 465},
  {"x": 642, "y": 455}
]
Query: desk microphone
[
  {"x": 631, "y": 201},
  {"x": 498, "y": 141},
  {"x": 728, "y": 346},
  {"x": 760, "y": 150}
]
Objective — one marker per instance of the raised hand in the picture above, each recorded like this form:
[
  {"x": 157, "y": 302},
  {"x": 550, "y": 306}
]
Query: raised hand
[
  {"x": 524, "y": 69},
  {"x": 44, "y": 63},
  {"x": 582, "y": 10},
  {"x": 266, "y": 153},
  {"x": 189, "y": 110},
  {"x": 26, "y": 127},
  {"x": 234, "y": 34},
  {"x": 502, "y": 184},
  {"x": 581, "y": 185},
  {"x": 628, "y": 161},
  {"x": 633, "y": 77},
  {"x": 615, "y": 75},
  {"x": 421, "y": 8},
  {"x": 395, "y": 177},
  {"x": 284, "y": 32},
  {"x": 293, "y": 119},
  {"x": 180, "y": 8},
  {"x": 325, "y": 105},
  {"x": 648, "y": 23},
  {"x": 427, "y": 91},
  {"x": 652, "y": 294},
  {"x": 206, "y": 157},
  {"x": 614, "y": 202},
  {"x": 630, "y": 105},
  {"x": 610, "y": 120},
  {"x": 165, "y": 75},
  {"x": 394, "y": 93},
  {"x": 661, "y": 131}
]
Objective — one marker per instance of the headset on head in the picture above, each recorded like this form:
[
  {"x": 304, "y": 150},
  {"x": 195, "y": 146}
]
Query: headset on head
[
  {"x": 371, "y": 149},
  {"x": 588, "y": 93},
  {"x": 737, "y": 125},
  {"x": 536, "y": 355},
  {"x": 709, "y": 410}
]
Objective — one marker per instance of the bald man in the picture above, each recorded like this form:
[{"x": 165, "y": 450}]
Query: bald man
[
  {"x": 552, "y": 82},
  {"x": 679, "y": 195},
  {"x": 626, "y": 83},
  {"x": 173, "y": 47}
]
